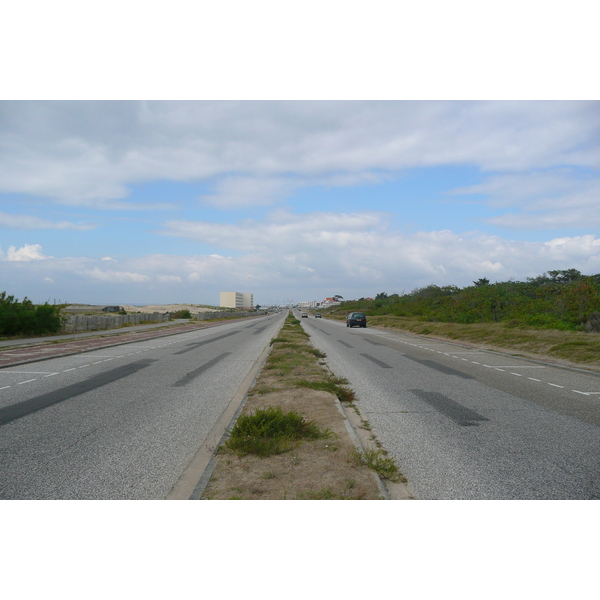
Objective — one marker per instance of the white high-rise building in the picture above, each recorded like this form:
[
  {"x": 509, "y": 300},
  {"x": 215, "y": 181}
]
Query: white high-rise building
[{"x": 237, "y": 300}]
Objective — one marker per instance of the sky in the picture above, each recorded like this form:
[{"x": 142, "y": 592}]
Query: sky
[
  {"x": 144, "y": 202},
  {"x": 254, "y": 148}
]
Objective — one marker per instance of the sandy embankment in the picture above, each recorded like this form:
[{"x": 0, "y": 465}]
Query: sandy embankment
[{"x": 162, "y": 308}]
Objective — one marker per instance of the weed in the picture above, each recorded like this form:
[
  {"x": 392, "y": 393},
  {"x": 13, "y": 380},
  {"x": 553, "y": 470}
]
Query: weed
[
  {"x": 270, "y": 431},
  {"x": 263, "y": 389},
  {"x": 343, "y": 393},
  {"x": 376, "y": 459}
]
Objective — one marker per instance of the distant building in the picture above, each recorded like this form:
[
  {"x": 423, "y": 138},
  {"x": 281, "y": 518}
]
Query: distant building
[
  {"x": 318, "y": 303},
  {"x": 237, "y": 300}
]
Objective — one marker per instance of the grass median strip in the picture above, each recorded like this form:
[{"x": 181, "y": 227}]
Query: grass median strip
[{"x": 291, "y": 441}]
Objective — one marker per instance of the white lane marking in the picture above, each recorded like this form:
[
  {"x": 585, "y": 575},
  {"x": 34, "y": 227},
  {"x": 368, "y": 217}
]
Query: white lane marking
[
  {"x": 5, "y": 387},
  {"x": 67, "y": 370},
  {"x": 28, "y": 381},
  {"x": 25, "y": 372},
  {"x": 51, "y": 375},
  {"x": 496, "y": 367}
]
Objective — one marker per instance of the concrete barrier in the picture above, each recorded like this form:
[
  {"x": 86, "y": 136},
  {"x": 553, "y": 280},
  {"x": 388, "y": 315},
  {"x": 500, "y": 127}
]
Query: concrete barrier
[{"x": 79, "y": 323}]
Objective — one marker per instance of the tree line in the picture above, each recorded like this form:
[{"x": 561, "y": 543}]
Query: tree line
[
  {"x": 561, "y": 299},
  {"x": 23, "y": 317}
]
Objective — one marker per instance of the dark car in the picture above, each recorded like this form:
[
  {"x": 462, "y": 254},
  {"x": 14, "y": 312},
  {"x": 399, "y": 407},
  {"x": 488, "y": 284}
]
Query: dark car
[
  {"x": 356, "y": 318},
  {"x": 318, "y": 316}
]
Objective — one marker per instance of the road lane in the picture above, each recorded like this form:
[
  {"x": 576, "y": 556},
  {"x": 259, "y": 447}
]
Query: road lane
[
  {"x": 121, "y": 422},
  {"x": 471, "y": 424}
]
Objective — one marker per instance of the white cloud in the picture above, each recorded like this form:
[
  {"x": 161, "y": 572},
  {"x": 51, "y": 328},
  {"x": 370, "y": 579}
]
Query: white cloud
[
  {"x": 26, "y": 253},
  {"x": 32, "y": 222},
  {"x": 88, "y": 153},
  {"x": 116, "y": 276},
  {"x": 351, "y": 255},
  {"x": 237, "y": 192},
  {"x": 545, "y": 199}
]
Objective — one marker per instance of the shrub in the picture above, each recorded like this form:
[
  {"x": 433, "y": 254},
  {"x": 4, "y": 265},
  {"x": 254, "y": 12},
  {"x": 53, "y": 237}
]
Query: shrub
[
  {"x": 23, "y": 318},
  {"x": 270, "y": 431},
  {"x": 181, "y": 314}
]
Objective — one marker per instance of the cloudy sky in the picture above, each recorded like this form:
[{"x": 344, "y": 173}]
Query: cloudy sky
[
  {"x": 174, "y": 201},
  {"x": 291, "y": 156}
]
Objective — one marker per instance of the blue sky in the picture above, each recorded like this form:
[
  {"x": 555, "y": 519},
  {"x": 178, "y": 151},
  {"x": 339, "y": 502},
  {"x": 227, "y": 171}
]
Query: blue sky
[{"x": 135, "y": 202}]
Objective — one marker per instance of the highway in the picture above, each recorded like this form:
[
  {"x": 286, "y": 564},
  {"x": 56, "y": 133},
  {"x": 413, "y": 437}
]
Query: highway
[
  {"x": 121, "y": 422},
  {"x": 463, "y": 423}
]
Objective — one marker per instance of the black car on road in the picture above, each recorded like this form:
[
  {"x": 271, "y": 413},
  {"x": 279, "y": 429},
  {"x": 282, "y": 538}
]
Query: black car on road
[{"x": 356, "y": 318}]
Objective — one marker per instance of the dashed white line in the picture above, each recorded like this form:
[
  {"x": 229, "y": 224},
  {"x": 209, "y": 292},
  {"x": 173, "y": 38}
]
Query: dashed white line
[
  {"x": 28, "y": 381},
  {"x": 556, "y": 385},
  {"x": 5, "y": 387}
]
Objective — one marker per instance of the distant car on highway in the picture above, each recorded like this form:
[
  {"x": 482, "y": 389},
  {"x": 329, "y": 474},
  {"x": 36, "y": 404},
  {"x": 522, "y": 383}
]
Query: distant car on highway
[
  {"x": 318, "y": 316},
  {"x": 356, "y": 318},
  {"x": 305, "y": 315}
]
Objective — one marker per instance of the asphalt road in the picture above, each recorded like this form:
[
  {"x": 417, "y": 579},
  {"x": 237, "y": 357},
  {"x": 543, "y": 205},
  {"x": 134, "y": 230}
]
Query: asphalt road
[
  {"x": 121, "y": 422},
  {"x": 470, "y": 424}
]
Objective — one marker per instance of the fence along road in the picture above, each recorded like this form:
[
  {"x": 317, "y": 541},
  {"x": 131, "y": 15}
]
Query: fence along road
[{"x": 121, "y": 422}]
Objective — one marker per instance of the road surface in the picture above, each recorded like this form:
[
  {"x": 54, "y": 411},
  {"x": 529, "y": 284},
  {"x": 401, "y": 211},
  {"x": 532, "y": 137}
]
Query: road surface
[
  {"x": 470, "y": 424},
  {"x": 121, "y": 422}
]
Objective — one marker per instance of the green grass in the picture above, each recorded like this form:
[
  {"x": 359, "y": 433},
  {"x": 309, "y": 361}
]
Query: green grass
[
  {"x": 269, "y": 431},
  {"x": 377, "y": 459},
  {"x": 331, "y": 385}
]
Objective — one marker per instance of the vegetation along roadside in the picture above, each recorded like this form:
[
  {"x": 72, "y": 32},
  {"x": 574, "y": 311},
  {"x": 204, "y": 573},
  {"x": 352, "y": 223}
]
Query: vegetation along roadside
[
  {"x": 291, "y": 442},
  {"x": 554, "y": 316}
]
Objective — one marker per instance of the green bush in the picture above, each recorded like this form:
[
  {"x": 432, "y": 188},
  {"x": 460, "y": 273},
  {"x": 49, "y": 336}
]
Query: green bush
[
  {"x": 181, "y": 314},
  {"x": 563, "y": 300},
  {"x": 24, "y": 318}
]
